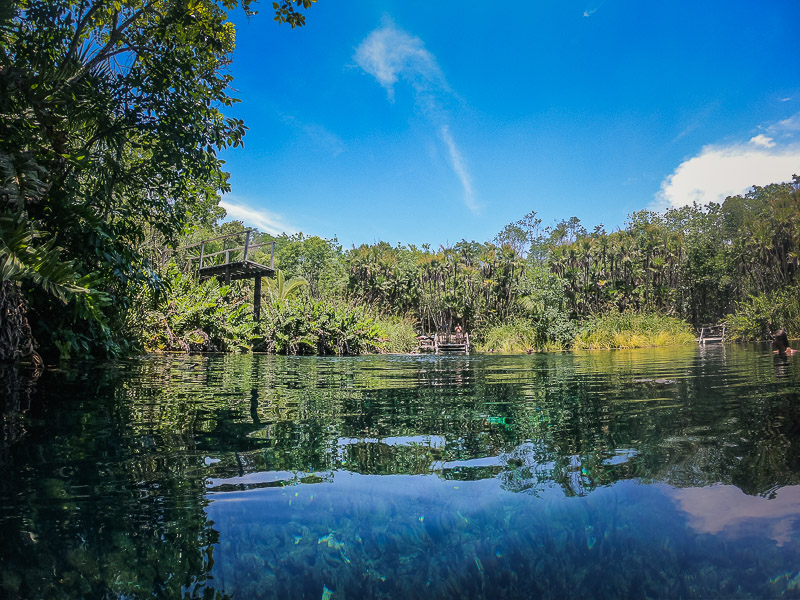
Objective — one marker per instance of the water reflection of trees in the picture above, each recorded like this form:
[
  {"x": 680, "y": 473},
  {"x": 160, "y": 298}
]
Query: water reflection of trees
[
  {"x": 594, "y": 418},
  {"x": 16, "y": 388},
  {"x": 107, "y": 474},
  {"x": 94, "y": 505}
]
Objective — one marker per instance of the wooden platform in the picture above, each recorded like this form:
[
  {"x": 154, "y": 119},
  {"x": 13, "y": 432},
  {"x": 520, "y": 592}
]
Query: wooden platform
[
  {"x": 243, "y": 269},
  {"x": 463, "y": 347},
  {"x": 445, "y": 342},
  {"x": 231, "y": 270},
  {"x": 712, "y": 334}
]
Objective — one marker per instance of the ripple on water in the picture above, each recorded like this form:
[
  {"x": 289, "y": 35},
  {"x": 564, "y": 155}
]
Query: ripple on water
[{"x": 663, "y": 473}]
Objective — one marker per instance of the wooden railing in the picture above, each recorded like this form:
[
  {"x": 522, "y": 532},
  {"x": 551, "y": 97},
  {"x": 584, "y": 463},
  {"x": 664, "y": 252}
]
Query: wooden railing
[
  {"x": 447, "y": 338},
  {"x": 444, "y": 341},
  {"x": 227, "y": 252},
  {"x": 712, "y": 333}
]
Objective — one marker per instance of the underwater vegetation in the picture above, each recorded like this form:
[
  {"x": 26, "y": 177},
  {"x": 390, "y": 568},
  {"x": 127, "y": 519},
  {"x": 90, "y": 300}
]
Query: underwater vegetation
[{"x": 549, "y": 475}]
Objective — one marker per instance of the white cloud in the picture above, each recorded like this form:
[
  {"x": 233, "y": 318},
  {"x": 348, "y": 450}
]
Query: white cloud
[
  {"x": 593, "y": 8},
  {"x": 392, "y": 55},
  {"x": 762, "y": 140},
  {"x": 460, "y": 168},
  {"x": 263, "y": 220},
  {"x": 389, "y": 53},
  {"x": 718, "y": 172},
  {"x": 787, "y": 126}
]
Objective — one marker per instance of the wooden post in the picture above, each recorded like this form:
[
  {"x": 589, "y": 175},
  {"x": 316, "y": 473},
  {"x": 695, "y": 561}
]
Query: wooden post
[
  {"x": 246, "y": 245},
  {"x": 272, "y": 258},
  {"x": 202, "y": 251},
  {"x": 227, "y": 268},
  {"x": 257, "y": 299}
]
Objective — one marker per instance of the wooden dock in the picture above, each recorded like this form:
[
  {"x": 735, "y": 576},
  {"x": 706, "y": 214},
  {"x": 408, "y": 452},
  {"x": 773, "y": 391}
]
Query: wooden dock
[
  {"x": 235, "y": 264},
  {"x": 444, "y": 342},
  {"x": 711, "y": 334}
]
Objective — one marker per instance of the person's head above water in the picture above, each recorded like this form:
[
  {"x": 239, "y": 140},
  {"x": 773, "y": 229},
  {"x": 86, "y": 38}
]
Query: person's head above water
[{"x": 780, "y": 341}]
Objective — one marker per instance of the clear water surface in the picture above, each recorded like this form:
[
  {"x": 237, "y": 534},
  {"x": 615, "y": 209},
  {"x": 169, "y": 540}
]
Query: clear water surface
[{"x": 644, "y": 474}]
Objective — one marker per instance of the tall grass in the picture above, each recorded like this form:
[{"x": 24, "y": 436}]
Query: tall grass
[
  {"x": 514, "y": 337},
  {"x": 397, "y": 335},
  {"x": 632, "y": 330}
]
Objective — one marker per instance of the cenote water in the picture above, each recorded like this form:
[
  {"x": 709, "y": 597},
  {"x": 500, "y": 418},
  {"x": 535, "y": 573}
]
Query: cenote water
[{"x": 643, "y": 474}]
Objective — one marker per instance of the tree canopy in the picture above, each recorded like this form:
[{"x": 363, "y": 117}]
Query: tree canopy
[{"x": 111, "y": 117}]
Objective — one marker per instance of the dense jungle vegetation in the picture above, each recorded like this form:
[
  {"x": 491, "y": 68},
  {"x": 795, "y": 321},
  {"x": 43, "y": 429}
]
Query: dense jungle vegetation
[
  {"x": 530, "y": 288},
  {"x": 111, "y": 120}
]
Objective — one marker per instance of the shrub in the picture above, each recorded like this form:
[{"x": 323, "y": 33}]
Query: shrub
[
  {"x": 515, "y": 336},
  {"x": 397, "y": 335},
  {"x": 758, "y": 316},
  {"x": 301, "y": 325},
  {"x": 523, "y": 335},
  {"x": 199, "y": 317}
]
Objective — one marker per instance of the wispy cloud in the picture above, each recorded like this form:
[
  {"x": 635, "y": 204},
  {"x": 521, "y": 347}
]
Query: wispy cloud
[
  {"x": 389, "y": 53},
  {"x": 593, "y": 8},
  {"x": 460, "y": 168},
  {"x": 262, "y": 220},
  {"x": 699, "y": 118},
  {"x": 319, "y": 135},
  {"x": 786, "y": 127},
  {"x": 392, "y": 55}
]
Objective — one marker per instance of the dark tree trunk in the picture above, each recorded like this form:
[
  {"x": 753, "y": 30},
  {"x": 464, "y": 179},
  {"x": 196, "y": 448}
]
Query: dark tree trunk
[{"x": 16, "y": 338}]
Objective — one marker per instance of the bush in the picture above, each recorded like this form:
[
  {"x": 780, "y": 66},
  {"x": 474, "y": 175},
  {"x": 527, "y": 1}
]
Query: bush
[
  {"x": 208, "y": 317},
  {"x": 522, "y": 335},
  {"x": 515, "y": 336},
  {"x": 397, "y": 335},
  {"x": 199, "y": 317},
  {"x": 632, "y": 330},
  {"x": 300, "y": 325},
  {"x": 758, "y": 316}
]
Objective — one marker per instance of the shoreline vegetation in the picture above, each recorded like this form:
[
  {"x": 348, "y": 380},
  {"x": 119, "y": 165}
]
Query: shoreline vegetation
[
  {"x": 106, "y": 172},
  {"x": 530, "y": 289}
]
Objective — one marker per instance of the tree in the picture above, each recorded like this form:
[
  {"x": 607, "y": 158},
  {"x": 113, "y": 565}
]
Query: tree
[
  {"x": 111, "y": 120},
  {"x": 314, "y": 259}
]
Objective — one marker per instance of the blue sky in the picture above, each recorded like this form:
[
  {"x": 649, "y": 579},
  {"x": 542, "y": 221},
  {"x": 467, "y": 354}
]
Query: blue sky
[{"x": 409, "y": 121}]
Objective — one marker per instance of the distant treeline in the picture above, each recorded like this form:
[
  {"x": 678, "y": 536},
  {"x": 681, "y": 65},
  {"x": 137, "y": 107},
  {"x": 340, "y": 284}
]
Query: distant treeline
[
  {"x": 537, "y": 287},
  {"x": 696, "y": 263}
]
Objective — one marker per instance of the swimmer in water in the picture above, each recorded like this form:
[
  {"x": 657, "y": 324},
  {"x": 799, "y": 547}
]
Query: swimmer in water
[{"x": 780, "y": 342}]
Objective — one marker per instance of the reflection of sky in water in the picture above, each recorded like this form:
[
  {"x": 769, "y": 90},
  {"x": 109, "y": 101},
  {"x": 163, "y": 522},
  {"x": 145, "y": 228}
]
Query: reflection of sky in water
[
  {"x": 621, "y": 456},
  {"x": 426, "y": 536},
  {"x": 431, "y": 441},
  {"x": 726, "y": 509}
]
